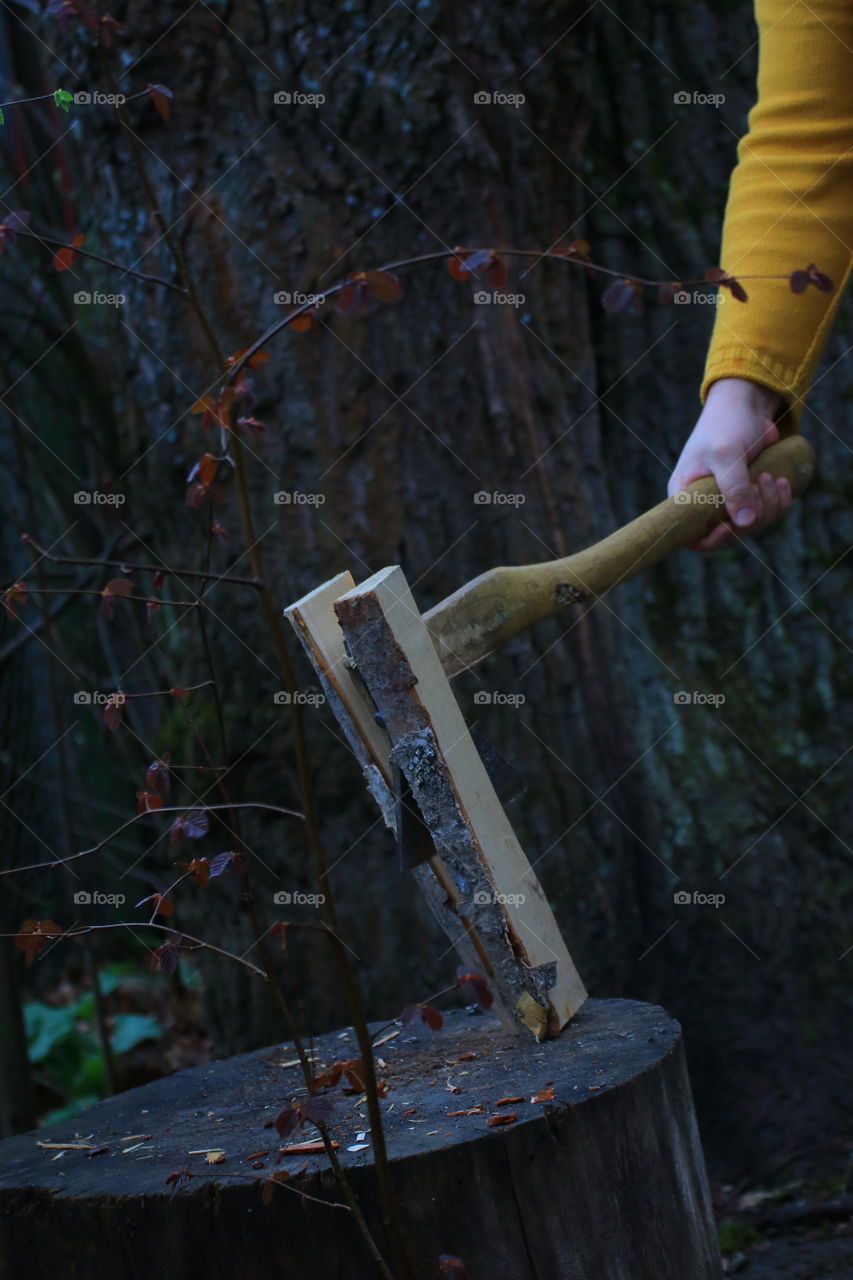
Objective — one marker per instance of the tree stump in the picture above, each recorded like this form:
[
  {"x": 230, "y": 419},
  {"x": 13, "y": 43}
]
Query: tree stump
[{"x": 598, "y": 1175}]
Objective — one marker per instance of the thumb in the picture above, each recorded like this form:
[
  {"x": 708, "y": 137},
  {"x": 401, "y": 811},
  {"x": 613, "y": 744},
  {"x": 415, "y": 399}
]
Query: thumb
[{"x": 732, "y": 477}]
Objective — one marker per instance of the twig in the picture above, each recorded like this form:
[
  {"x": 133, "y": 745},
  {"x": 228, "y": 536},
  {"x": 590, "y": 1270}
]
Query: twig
[
  {"x": 144, "y": 568},
  {"x": 84, "y": 253},
  {"x": 550, "y": 254},
  {"x": 265, "y": 1177},
  {"x": 162, "y": 928},
  {"x": 183, "y": 808}
]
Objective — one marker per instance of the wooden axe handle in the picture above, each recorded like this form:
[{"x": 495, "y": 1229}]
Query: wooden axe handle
[{"x": 490, "y": 609}]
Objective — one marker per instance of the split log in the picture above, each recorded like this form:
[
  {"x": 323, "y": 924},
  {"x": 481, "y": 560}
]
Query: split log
[{"x": 527, "y": 960}]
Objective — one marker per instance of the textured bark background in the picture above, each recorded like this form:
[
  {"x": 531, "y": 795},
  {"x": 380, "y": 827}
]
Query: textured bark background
[{"x": 398, "y": 418}]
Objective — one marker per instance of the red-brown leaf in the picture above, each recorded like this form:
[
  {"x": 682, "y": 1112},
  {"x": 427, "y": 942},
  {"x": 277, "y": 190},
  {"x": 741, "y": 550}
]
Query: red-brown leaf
[
  {"x": 259, "y": 357},
  {"x": 148, "y": 802},
  {"x": 66, "y": 257},
  {"x": 288, "y": 1121},
  {"x": 383, "y": 285},
  {"x": 318, "y": 1108},
  {"x": 200, "y": 869},
  {"x": 466, "y": 261},
  {"x": 476, "y": 983},
  {"x": 161, "y": 97},
  {"x": 13, "y": 596},
  {"x": 32, "y": 935},
  {"x": 354, "y": 1072},
  {"x": 110, "y": 28},
  {"x": 414, "y": 1013},
  {"x": 452, "y": 1267},
  {"x": 303, "y": 322},
  {"x": 112, "y": 709},
  {"x": 352, "y": 295},
  {"x": 158, "y": 777},
  {"x": 165, "y": 958},
  {"x": 819, "y": 280}
]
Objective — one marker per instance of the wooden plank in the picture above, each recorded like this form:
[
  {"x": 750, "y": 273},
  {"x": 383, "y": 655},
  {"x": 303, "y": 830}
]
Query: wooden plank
[
  {"x": 315, "y": 622},
  {"x": 529, "y": 963}
]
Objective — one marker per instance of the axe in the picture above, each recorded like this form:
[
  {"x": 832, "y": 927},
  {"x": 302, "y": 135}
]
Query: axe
[
  {"x": 385, "y": 669},
  {"x": 492, "y": 608}
]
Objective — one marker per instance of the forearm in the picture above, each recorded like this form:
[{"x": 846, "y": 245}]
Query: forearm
[{"x": 790, "y": 201}]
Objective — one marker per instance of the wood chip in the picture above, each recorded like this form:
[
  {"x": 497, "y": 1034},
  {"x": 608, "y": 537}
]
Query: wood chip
[
  {"x": 544, "y": 1095},
  {"x": 66, "y": 1146},
  {"x": 506, "y": 1102},
  {"x": 469, "y": 1111},
  {"x": 385, "y": 1039},
  {"x": 215, "y": 1157},
  {"x": 508, "y": 1118},
  {"x": 359, "y": 1146},
  {"x": 296, "y": 1147}
]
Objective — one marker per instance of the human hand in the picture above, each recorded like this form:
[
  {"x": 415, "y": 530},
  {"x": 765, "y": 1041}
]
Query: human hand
[{"x": 735, "y": 425}]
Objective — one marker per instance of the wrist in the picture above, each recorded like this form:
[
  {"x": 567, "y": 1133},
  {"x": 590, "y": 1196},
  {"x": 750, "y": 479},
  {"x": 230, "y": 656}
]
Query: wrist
[{"x": 744, "y": 394}]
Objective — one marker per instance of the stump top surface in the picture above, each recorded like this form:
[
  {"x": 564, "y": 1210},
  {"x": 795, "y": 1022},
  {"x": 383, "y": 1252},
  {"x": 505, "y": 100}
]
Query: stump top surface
[{"x": 229, "y": 1105}]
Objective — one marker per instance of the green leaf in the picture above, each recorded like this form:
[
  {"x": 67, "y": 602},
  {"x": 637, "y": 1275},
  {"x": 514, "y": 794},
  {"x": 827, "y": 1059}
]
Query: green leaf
[
  {"x": 90, "y": 1079},
  {"x": 2, "y": 117},
  {"x": 46, "y": 1027},
  {"x": 63, "y": 98},
  {"x": 131, "y": 1029}
]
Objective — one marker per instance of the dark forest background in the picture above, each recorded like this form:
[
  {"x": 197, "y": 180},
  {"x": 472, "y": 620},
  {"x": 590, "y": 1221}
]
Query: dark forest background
[{"x": 397, "y": 416}]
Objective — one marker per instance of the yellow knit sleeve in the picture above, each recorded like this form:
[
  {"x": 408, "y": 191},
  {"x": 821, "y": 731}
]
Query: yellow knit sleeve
[{"x": 790, "y": 202}]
